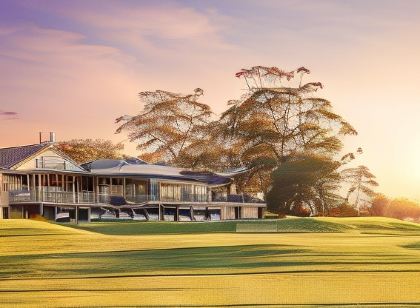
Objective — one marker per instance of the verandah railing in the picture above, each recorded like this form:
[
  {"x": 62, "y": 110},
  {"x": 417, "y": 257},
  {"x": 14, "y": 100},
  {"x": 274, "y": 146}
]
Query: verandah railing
[
  {"x": 88, "y": 197},
  {"x": 23, "y": 196}
]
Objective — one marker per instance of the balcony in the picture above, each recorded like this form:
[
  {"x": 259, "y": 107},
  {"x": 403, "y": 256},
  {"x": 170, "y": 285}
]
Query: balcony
[
  {"x": 239, "y": 198},
  {"x": 51, "y": 197},
  {"x": 88, "y": 197},
  {"x": 186, "y": 198}
]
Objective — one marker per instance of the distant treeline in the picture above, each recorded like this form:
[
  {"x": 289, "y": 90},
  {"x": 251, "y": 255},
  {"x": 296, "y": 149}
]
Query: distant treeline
[{"x": 400, "y": 208}]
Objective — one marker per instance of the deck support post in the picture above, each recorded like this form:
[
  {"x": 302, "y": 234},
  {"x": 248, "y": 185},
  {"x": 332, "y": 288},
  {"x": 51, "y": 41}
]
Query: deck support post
[
  {"x": 124, "y": 187},
  {"x": 40, "y": 187},
  {"x": 73, "y": 189},
  {"x": 77, "y": 215}
]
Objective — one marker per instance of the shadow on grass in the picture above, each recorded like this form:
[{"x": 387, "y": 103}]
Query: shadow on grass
[
  {"x": 259, "y": 258},
  {"x": 114, "y": 262},
  {"x": 415, "y": 245}
]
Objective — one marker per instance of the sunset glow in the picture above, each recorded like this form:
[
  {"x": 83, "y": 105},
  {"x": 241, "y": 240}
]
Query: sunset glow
[{"x": 73, "y": 67}]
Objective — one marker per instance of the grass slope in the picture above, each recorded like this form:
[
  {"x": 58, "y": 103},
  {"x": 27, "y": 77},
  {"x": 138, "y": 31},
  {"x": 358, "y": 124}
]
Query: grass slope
[
  {"x": 349, "y": 261},
  {"x": 292, "y": 225}
]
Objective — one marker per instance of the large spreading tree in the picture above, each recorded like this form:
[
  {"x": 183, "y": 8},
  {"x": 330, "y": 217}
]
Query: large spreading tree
[
  {"x": 280, "y": 123},
  {"x": 86, "y": 150},
  {"x": 279, "y": 118},
  {"x": 167, "y": 125}
]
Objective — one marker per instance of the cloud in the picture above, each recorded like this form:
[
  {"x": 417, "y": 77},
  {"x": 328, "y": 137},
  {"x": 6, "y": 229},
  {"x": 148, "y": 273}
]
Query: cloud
[
  {"x": 61, "y": 83},
  {"x": 78, "y": 81},
  {"x": 8, "y": 115},
  {"x": 158, "y": 29},
  {"x": 74, "y": 66}
]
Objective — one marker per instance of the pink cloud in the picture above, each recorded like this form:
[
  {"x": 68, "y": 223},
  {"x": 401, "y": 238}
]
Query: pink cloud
[
  {"x": 8, "y": 115},
  {"x": 165, "y": 22},
  {"x": 59, "y": 82},
  {"x": 158, "y": 28}
]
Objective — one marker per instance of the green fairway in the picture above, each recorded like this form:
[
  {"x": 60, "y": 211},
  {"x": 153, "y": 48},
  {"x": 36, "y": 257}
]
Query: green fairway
[
  {"x": 295, "y": 261},
  {"x": 292, "y": 225}
]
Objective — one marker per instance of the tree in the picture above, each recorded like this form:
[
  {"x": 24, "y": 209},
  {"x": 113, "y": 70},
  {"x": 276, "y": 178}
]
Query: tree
[
  {"x": 276, "y": 121},
  {"x": 85, "y": 150},
  {"x": 402, "y": 208},
  {"x": 379, "y": 205},
  {"x": 208, "y": 151},
  {"x": 167, "y": 125},
  {"x": 306, "y": 181},
  {"x": 361, "y": 182},
  {"x": 399, "y": 208}
]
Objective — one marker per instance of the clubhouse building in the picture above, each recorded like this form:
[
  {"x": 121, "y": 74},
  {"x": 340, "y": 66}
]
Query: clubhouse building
[{"x": 39, "y": 180}]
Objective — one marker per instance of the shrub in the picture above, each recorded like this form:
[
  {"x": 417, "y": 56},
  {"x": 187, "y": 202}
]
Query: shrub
[
  {"x": 39, "y": 218},
  {"x": 301, "y": 211},
  {"x": 343, "y": 210}
]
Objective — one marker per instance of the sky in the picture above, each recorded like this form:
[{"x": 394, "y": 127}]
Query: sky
[{"x": 72, "y": 67}]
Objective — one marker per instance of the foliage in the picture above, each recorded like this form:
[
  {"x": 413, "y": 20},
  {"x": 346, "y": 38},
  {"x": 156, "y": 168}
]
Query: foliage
[
  {"x": 396, "y": 208},
  {"x": 39, "y": 218},
  {"x": 279, "y": 119},
  {"x": 275, "y": 121},
  {"x": 306, "y": 181},
  {"x": 379, "y": 203},
  {"x": 167, "y": 125},
  {"x": 85, "y": 150},
  {"x": 208, "y": 151},
  {"x": 361, "y": 182},
  {"x": 343, "y": 210}
]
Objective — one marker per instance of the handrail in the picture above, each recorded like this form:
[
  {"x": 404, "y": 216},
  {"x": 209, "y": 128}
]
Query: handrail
[
  {"x": 24, "y": 196},
  {"x": 89, "y": 197}
]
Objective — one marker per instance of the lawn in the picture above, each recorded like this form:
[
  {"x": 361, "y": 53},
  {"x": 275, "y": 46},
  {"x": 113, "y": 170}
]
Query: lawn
[{"x": 292, "y": 262}]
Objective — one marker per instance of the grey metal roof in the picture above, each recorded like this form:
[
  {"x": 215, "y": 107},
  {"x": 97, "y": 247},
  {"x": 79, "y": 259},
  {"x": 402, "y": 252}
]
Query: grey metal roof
[
  {"x": 124, "y": 168},
  {"x": 14, "y": 155},
  {"x": 115, "y": 166}
]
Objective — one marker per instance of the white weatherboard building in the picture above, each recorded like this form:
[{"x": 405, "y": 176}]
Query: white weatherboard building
[{"x": 39, "y": 180}]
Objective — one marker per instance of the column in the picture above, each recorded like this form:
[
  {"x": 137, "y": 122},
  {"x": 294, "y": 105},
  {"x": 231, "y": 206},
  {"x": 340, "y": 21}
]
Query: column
[{"x": 73, "y": 189}]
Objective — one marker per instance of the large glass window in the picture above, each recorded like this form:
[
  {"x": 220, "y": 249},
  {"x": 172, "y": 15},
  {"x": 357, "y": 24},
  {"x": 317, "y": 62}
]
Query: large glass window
[
  {"x": 183, "y": 192},
  {"x": 170, "y": 192},
  {"x": 135, "y": 188},
  {"x": 117, "y": 186}
]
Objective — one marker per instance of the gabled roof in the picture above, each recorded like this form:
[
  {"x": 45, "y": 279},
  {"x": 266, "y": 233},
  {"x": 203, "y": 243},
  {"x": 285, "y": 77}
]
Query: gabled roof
[{"x": 10, "y": 157}]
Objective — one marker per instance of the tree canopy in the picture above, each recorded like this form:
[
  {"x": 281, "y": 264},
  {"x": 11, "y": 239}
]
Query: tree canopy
[
  {"x": 400, "y": 208},
  {"x": 307, "y": 181},
  {"x": 168, "y": 123},
  {"x": 85, "y": 150},
  {"x": 285, "y": 133},
  {"x": 279, "y": 118},
  {"x": 361, "y": 182}
]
